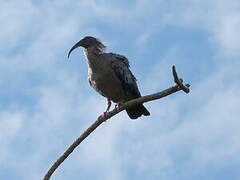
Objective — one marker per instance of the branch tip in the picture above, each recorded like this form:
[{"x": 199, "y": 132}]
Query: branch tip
[{"x": 179, "y": 81}]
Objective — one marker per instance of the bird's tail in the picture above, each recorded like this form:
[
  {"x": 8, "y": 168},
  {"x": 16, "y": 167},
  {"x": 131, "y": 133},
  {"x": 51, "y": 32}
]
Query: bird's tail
[{"x": 137, "y": 111}]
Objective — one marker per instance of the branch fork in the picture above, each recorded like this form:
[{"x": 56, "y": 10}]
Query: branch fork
[{"x": 179, "y": 82}]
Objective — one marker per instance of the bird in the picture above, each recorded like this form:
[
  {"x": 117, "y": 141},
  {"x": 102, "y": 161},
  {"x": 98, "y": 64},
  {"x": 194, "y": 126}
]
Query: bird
[{"x": 110, "y": 75}]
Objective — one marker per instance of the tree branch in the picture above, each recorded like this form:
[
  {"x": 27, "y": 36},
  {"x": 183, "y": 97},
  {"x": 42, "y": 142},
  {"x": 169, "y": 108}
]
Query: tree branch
[{"x": 102, "y": 118}]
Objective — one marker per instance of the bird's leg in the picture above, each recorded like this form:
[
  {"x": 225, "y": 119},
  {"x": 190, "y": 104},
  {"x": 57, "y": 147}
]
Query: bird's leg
[{"x": 109, "y": 105}]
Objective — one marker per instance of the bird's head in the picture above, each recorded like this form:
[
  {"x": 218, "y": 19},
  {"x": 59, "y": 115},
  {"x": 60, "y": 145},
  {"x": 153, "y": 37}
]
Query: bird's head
[{"x": 87, "y": 42}]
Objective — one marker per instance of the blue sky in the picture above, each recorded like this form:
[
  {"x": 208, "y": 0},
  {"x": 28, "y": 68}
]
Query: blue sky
[{"x": 46, "y": 101}]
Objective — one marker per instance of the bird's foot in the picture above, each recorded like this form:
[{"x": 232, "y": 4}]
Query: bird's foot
[
  {"x": 119, "y": 104},
  {"x": 104, "y": 116},
  {"x": 109, "y": 105}
]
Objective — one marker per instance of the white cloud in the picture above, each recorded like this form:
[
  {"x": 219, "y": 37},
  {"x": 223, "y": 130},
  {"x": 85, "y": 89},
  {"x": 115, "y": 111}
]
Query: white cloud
[
  {"x": 14, "y": 21},
  {"x": 11, "y": 124},
  {"x": 219, "y": 19},
  {"x": 227, "y": 33},
  {"x": 206, "y": 133}
]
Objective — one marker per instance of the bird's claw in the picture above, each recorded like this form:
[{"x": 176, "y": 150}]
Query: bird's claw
[
  {"x": 117, "y": 105},
  {"x": 104, "y": 115}
]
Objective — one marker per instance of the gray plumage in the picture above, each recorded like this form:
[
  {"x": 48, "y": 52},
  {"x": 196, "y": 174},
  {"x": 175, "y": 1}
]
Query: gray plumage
[{"x": 110, "y": 75}]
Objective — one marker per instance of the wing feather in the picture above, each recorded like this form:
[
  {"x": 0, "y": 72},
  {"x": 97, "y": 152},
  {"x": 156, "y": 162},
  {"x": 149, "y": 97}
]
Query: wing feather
[{"x": 121, "y": 67}]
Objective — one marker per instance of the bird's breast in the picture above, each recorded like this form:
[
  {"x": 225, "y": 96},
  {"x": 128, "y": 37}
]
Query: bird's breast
[{"x": 107, "y": 84}]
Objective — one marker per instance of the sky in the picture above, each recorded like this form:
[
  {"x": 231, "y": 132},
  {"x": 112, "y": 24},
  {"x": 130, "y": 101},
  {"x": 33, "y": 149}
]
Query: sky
[{"x": 46, "y": 101}]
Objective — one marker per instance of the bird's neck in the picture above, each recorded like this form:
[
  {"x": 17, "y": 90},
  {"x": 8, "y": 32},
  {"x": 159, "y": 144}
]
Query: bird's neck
[{"x": 91, "y": 54}]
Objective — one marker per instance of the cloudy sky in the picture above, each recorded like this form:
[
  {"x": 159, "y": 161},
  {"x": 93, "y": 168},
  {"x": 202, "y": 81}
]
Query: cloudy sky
[{"x": 46, "y": 101}]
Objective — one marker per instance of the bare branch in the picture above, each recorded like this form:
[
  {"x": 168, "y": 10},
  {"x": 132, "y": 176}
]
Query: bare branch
[{"x": 179, "y": 86}]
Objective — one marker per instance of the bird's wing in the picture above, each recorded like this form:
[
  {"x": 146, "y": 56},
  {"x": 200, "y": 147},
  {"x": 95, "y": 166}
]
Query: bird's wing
[{"x": 120, "y": 65}]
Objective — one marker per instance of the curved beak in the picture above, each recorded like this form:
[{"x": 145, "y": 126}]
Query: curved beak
[{"x": 78, "y": 44}]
